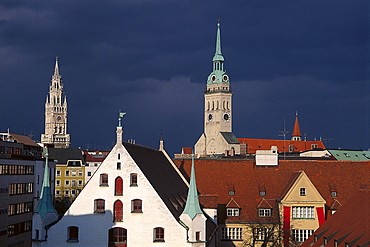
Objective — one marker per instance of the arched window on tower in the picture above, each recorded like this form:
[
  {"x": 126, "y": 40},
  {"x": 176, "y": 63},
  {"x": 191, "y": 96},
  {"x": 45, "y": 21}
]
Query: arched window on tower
[
  {"x": 118, "y": 190},
  {"x": 118, "y": 211}
]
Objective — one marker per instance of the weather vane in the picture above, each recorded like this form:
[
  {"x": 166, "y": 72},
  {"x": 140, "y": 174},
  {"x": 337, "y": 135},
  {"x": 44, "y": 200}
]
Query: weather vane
[{"x": 121, "y": 115}]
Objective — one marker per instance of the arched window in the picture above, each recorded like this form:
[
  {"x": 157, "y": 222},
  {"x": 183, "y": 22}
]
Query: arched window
[
  {"x": 118, "y": 211},
  {"x": 158, "y": 234},
  {"x": 217, "y": 105},
  {"x": 208, "y": 106},
  {"x": 118, "y": 190},
  {"x": 213, "y": 105},
  {"x": 117, "y": 237},
  {"x": 72, "y": 234},
  {"x": 104, "y": 179},
  {"x": 136, "y": 206}
]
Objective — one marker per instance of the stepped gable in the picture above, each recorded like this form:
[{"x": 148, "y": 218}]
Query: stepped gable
[
  {"x": 162, "y": 176},
  {"x": 247, "y": 178}
]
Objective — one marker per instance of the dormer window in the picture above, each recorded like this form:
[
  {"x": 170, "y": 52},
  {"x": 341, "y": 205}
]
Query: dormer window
[
  {"x": 264, "y": 212},
  {"x": 231, "y": 193},
  {"x": 262, "y": 193},
  {"x": 334, "y": 194},
  {"x": 232, "y": 212},
  {"x": 302, "y": 191}
]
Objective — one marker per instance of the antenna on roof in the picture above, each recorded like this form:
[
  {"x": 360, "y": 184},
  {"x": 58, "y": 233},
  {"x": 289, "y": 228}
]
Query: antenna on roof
[{"x": 283, "y": 133}]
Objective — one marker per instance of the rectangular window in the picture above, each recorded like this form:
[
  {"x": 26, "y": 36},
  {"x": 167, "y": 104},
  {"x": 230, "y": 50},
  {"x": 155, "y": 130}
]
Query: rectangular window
[
  {"x": 118, "y": 165},
  {"x": 303, "y": 213},
  {"x": 302, "y": 191},
  {"x": 264, "y": 212},
  {"x": 16, "y": 170},
  {"x": 158, "y": 234},
  {"x": 231, "y": 233},
  {"x": 301, "y": 235},
  {"x": 74, "y": 173},
  {"x": 79, "y": 173},
  {"x": 67, "y": 173},
  {"x": 136, "y": 206},
  {"x": 291, "y": 148},
  {"x": 58, "y": 173},
  {"x": 314, "y": 146},
  {"x": 74, "y": 183},
  {"x": 264, "y": 233},
  {"x": 20, "y": 188},
  {"x": 103, "y": 179},
  {"x": 66, "y": 183},
  {"x": 133, "y": 179},
  {"x": 197, "y": 236},
  {"x": 19, "y": 208},
  {"x": 58, "y": 182},
  {"x": 88, "y": 174},
  {"x": 232, "y": 212},
  {"x": 57, "y": 192},
  {"x": 19, "y": 228},
  {"x": 79, "y": 183},
  {"x": 72, "y": 234},
  {"x": 99, "y": 206}
]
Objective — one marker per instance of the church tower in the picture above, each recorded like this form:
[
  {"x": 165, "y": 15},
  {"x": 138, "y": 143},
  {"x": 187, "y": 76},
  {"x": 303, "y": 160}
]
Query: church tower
[
  {"x": 56, "y": 113},
  {"x": 217, "y": 137}
]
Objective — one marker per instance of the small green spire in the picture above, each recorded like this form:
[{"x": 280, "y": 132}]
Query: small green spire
[
  {"x": 45, "y": 204},
  {"x": 192, "y": 207},
  {"x": 218, "y": 55}
]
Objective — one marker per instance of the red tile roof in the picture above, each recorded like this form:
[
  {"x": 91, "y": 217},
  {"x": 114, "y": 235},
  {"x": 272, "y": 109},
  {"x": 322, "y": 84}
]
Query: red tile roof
[
  {"x": 350, "y": 224},
  {"x": 214, "y": 178},
  {"x": 283, "y": 146}
]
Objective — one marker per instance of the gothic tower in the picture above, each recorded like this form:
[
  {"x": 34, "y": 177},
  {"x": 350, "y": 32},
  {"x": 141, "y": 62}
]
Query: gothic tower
[
  {"x": 56, "y": 113},
  {"x": 217, "y": 137}
]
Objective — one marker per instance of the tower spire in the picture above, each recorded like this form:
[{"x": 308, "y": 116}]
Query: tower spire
[
  {"x": 56, "y": 69},
  {"x": 218, "y": 59},
  {"x": 296, "y": 134},
  {"x": 192, "y": 207},
  {"x": 45, "y": 205}
]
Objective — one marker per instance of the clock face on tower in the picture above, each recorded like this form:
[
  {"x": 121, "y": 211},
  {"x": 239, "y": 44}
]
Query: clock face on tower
[
  {"x": 226, "y": 117},
  {"x": 59, "y": 118}
]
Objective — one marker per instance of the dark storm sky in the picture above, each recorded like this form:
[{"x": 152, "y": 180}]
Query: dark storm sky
[{"x": 151, "y": 59}]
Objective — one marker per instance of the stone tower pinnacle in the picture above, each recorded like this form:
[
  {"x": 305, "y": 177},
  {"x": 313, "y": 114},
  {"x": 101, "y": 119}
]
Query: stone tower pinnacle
[{"x": 56, "y": 113}]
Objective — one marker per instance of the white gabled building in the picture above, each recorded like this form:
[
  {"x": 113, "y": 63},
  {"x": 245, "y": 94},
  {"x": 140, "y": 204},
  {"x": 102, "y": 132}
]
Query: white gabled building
[{"x": 135, "y": 198}]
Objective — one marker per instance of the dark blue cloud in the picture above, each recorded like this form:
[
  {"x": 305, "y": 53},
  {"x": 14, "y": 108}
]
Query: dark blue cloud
[{"x": 152, "y": 58}]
